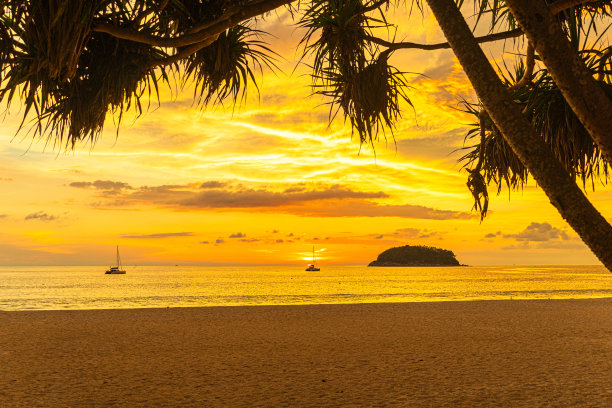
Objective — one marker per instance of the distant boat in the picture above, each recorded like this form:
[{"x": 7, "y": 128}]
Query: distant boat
[
  {"x": 313, "y": 265},
  {"x": 116, "y": 270}
]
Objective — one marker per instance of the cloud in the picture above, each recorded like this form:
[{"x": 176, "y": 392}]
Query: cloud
[
  {"x": 159, "y": 235},
  {"x": 204, "y": 242},
  {"x": 541, "y": 236},
  {"x": 539, "y": 232},
  {"x": 105, "y": 185},
  {"x": 219, "y": 241},
  {"x": 5, "y": 179},
  {"x": 253, "y": 198},
  {"x": 250, "y": 240},
  {"x": 41, "y": 216},
  {"x": 3, "y": 215},
  {"x": 280, "y": 241},
  {"x": 291, "y": 118},
  {"x": 238, "y": 235},
  {"x": 212, "y": 184},
  {"x": 379, "y": 237},
  {"x": 372, "y": 209},
  {"x": 302, "y": 199}
]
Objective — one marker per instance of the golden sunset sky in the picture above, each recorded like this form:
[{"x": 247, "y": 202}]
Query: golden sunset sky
[{"x": 263, "y": 183}]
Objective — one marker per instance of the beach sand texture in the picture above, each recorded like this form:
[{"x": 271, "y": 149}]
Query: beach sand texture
[{"x": 483, "y": 353}]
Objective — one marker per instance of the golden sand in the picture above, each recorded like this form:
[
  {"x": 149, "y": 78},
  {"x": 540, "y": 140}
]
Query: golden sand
[{"x": 486, "y": 353}]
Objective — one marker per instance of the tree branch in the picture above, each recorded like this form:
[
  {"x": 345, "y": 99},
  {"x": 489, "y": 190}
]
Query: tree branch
[
  {"x": 555, "y": 8},
  {"x": 212, "y": 28},
  {"x": 439, "y": 46},
  {"x": 561, "y": 5},
  {"x": 529, "y": 66},
  {"x": 184, "y": 53}
]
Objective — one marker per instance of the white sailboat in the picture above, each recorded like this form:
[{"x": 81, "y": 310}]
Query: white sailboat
[
  {"x": 116, "y": 270},
  {"x": 313, "y": 265}
]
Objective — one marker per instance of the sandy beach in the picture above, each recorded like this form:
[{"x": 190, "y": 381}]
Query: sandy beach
[{"x": 484, "y": 353}]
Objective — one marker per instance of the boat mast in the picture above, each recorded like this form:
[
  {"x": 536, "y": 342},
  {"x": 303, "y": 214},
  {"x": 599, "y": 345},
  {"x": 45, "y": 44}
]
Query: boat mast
[
  {"x": 313, "y": 255},
  {"x": 118, "y": 259}
]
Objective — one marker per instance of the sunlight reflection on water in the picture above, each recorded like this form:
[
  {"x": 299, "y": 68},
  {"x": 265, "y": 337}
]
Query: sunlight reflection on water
[{"x": 73, "y": 287}]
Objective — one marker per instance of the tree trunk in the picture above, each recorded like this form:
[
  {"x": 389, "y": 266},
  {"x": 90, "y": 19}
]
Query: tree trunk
[
  {"x": 561, "y": 190},
  {"x": 582, "y": 92}
]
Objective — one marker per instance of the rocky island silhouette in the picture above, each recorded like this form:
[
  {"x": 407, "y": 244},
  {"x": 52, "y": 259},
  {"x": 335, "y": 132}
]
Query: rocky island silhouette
[{"x": 416, "y": 255}]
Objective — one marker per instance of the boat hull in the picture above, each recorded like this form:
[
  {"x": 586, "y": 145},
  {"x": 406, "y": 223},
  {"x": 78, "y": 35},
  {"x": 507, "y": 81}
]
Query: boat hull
[{"x": 115, "y": 273}]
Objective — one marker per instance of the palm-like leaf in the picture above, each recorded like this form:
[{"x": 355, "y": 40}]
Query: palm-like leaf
[
  {"x": 348, "y": 69},
  {"x": 551, "y": 116},
  {"x": 223, "y": 69}
]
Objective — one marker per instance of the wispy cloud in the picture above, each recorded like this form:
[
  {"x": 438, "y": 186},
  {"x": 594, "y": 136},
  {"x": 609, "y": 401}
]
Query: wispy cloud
[
  {"x": 41, "y": 216},
  {"x": 316, "y": 200},
  {"x": 158, "y": 235},
  {"x": 106, "y": 185},
  {"x": 248, "y": 198},
  {"x": 373, "y": 209},
  {"x": 212, "y": 184}
]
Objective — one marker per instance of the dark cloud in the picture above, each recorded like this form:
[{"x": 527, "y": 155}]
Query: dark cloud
[
  {"x": 279, "y": 241},
  {"x": 212, "y": 184},
  {"x": 275, "y": 99},
  {"x": 105, "y": 185},
  {"x": 238, "y": 235},
  {"x": 3, "y": 215},
  {"x": 250, "y": 240},
  {"x": 41, "y": 216},
  {"x": 159, "y": 235},
  {"x": 539, "y": 232},
  {"x": 379, "y": 237},
  {"x": 252, "y": 198},
  {"x": 492, "y": 235},
  {"x": 372, "y": 209},
  {"x": 219, "y": 241},
  {"x": 407, "y": 232},
  {"x": 204, "y": 242},
  {"x": 322, "y": 200}
]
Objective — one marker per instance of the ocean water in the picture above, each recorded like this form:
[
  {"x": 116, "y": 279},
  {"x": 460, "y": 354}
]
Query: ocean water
[{"x": 87, "y": 287}]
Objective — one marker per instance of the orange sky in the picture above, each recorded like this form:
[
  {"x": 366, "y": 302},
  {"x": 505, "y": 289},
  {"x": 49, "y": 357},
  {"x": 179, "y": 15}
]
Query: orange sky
[{"x": 266, "y": 182}]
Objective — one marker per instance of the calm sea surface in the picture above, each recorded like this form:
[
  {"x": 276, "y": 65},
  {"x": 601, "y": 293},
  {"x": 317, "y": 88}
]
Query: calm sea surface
[{"x": 73, "y": 287}]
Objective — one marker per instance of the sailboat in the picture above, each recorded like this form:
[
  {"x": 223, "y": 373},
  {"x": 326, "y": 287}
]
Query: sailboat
[
  {"x": 116, "y": 270},
  {"x": 313, "y": 266}
]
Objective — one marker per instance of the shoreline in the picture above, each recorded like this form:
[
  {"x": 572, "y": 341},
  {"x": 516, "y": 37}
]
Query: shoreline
[
  {"x": 467, "y": 300},
  {"x": 477, "y": 353}
]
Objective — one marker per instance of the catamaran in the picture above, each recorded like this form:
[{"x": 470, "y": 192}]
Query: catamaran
[
  {"x": 313, "y": 265},
  {"x": 116, "y": 270}
]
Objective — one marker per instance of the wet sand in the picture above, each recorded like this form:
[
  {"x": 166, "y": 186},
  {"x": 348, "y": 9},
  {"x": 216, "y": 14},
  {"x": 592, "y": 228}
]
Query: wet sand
[{"x": 485, "y": 353}]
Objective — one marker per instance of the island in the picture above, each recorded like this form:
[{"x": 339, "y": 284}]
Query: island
[{"x": 416, "y": 255}]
